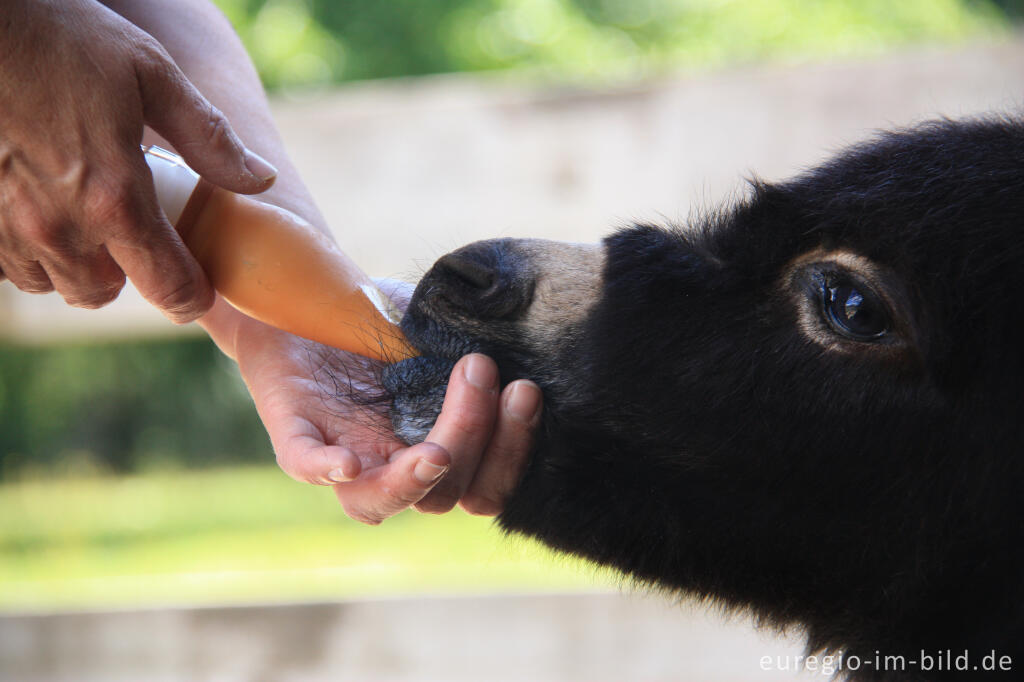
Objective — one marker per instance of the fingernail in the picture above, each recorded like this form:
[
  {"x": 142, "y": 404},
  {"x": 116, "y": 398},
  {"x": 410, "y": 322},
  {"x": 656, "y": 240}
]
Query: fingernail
[
  {"x": 523, "y": 401},
  {"x": 338, "y": 476},
  {"x": 480, "y": 372},
  {"x": 259, "y": 166},
  {"x": 428, "y": 472}
]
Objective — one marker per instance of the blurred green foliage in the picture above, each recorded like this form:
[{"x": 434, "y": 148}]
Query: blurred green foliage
[
  {"x": 1013, "y": 9},
  {"x": 312, "y": 42},
  {"x": 68, "y": 411}
]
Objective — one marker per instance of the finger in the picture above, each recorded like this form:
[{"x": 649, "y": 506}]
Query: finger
[
  {"x": 173, "y": 107},
  {"x": 86, "y": 280},
  {"x": 152, "y": 255},
  {"x": 384, "y": 491},
  {"x": 84, "y": 274},
  {"x": 300, "y": 447},
  {"x": 505, "y": 459},
  {"x": 463, "y": 428},
  {"x": 17, "y": 257},
  {"x": 310, "y": 460},
  {"x": 28, "y": 276}
]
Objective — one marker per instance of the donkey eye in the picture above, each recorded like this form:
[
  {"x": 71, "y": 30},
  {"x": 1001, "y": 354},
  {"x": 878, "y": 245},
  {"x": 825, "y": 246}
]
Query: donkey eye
[{"x": 852, "y": 310}]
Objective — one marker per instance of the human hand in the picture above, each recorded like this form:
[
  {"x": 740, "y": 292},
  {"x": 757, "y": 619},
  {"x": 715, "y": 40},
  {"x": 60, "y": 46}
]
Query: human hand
[
  {"x": 474, "y": 455},
  {"x": 77, "y": 208}
]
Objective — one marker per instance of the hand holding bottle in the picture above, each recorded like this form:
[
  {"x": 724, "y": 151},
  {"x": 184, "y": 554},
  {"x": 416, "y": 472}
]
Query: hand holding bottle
[{"x": 77, "y": 212}]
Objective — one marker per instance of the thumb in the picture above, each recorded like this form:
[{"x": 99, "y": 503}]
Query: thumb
[{"x": 174, "y": 108}]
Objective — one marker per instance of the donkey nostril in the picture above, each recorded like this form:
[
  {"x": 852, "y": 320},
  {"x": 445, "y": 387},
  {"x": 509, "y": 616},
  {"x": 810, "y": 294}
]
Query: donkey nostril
[
  {"x": 471, "y": 272},
  {"x": 484, "y": 280}
]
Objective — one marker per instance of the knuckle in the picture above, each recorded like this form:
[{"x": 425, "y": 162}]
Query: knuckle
[
  {"x": 182, "y": 301},
  {"x": 50, "y": 236},
  {"x": 109, "y": 205},
  {"x": 27, "y": 275},
  {"x": 160, "y": 79},
  {"x": 30, "y": 281},
  {"x": 97, "y": 297},
  {"x": 154, "y": 58},
  {"x": 218, "y": 132}
]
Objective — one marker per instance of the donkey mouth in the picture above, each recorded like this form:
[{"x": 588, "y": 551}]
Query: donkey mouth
[{"x": 417, "y": 385}]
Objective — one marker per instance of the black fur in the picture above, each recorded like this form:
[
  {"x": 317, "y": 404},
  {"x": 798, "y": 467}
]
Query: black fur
[{"x": 695, "y": 438}]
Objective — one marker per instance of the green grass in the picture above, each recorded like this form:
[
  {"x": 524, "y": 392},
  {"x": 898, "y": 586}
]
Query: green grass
[{"x": 243, "y": 535}]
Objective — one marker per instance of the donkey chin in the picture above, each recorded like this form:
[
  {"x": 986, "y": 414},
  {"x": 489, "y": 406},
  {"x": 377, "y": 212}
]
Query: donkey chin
[{"x": 805, "y": 405}]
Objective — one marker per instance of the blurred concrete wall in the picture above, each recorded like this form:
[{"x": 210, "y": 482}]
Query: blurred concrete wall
[
  {"x": 406, "y": 170},
  {"x": 540, "y": 638}
]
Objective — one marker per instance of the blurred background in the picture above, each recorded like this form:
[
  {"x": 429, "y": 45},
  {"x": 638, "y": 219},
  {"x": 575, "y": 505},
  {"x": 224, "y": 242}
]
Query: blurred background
[{"x": 134, "y": 472}]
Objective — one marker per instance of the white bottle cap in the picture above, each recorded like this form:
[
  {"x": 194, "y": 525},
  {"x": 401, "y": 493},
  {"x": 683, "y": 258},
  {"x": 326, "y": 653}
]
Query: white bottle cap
[{"x": 174, "y": 181}]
